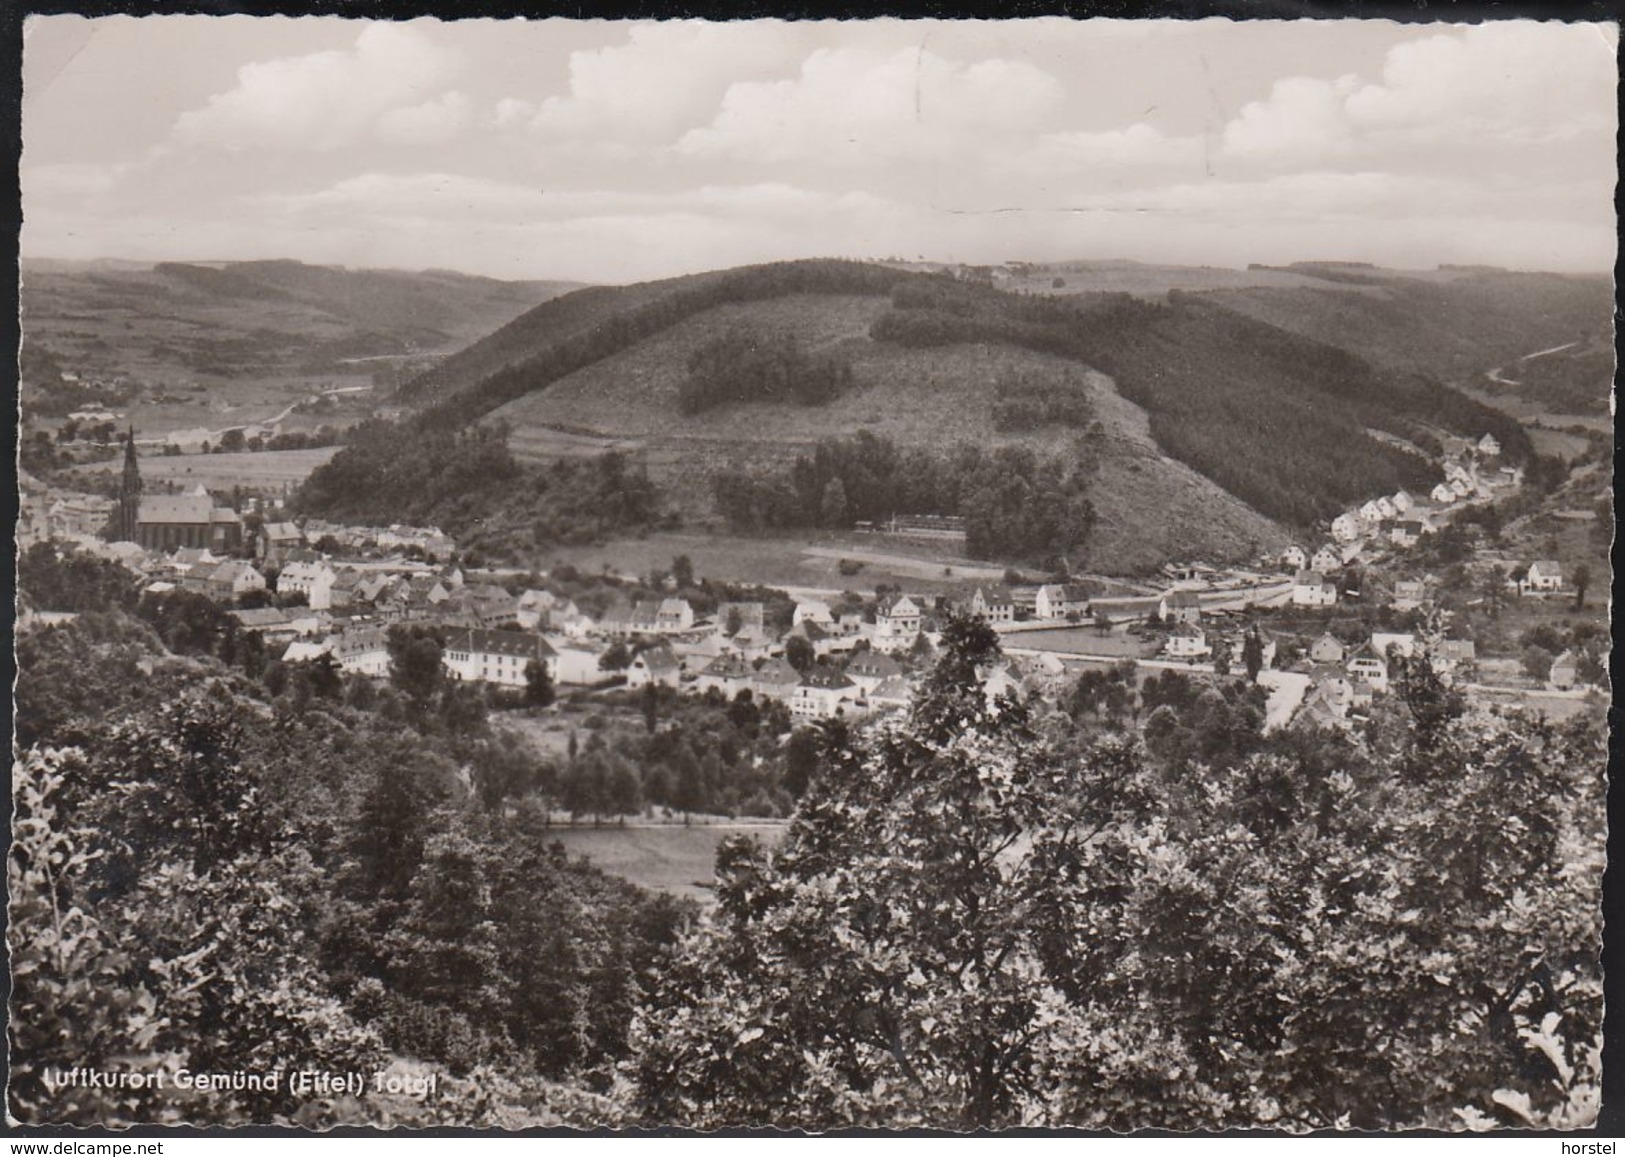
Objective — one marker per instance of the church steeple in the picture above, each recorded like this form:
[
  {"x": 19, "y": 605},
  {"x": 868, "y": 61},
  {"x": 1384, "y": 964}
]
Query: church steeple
[{"x": 129, "y": 492}]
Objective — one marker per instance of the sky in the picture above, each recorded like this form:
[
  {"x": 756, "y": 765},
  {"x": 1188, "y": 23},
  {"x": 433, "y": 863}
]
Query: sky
[{"x": 613, "y": 152}]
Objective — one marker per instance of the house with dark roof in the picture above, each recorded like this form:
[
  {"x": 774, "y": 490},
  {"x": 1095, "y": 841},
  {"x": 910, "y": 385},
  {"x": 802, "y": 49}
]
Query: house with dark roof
[
  {"x": 501, "y": 657},
  {"x": 775, "y": 679},
  {"x": 656, "y": 665},
  {"x": 728, "y": 674},
  {"x": 993, "y": 604},
  {"x": 870, "y": 669},
  {"x": 1061, "y": 601},
  {"x": 822, "y": 694},
  {"x": 167, "y": 521}
]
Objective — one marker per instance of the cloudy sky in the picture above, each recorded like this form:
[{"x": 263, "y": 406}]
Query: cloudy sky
[{"x": 619, "y": 151}]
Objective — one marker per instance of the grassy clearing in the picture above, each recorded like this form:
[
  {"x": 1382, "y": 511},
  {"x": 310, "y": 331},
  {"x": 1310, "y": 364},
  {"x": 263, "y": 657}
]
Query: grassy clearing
[
  {"x": 670, "y": 857},
  {"x": 1083, "y": 640},
  {"x": 264, "y": 470},
  {"x": 787, "y": 560}
]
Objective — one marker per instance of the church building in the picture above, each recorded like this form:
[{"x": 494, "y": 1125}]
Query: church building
[{"x": 168, "y": 522}]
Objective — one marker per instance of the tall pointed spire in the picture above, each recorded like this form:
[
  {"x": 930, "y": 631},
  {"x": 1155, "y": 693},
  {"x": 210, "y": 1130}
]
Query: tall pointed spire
[{"x": 129, "y": 492}]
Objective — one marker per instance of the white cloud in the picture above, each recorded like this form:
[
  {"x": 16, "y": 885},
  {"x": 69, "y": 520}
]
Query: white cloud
[
  {"x": 1486, "y": 89},
  {"x": 665, "y": 78},
  {"x": 429, "y": 123},
  {"x": 1137, "y": 147},
  {"x": 851, "y": 105},
  {"x": 323, "y": 101},
  {"x": 69, "y": 180}
]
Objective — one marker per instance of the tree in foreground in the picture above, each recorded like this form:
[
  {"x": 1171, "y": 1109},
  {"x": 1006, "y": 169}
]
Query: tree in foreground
[{"x": 965, "y": 926}]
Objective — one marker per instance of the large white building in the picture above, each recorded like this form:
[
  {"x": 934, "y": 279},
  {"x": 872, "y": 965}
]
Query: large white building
[{"x": 497, "y": 656}]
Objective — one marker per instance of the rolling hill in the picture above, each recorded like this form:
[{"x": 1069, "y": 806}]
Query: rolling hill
[
  {"x": 1455, "y": 325},
  {"x": 207, "y": 321},
  {"x": 1222, "y": 419}
]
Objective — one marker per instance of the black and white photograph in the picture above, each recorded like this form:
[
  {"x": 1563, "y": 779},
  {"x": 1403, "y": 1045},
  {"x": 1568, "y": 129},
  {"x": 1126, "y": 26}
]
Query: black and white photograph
[{"x": 874, "y": 575}]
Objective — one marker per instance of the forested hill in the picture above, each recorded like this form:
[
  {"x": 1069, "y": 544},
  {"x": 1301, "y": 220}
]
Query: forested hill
[
  {"x": 1277, "y": 419},
  {"x": 1451, "y": 324},
  {"x": 570, "y": 334}
]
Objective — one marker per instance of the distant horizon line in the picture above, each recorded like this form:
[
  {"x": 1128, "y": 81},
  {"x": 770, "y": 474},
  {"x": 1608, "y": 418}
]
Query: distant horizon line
[{"x": 1325, "y": 262}]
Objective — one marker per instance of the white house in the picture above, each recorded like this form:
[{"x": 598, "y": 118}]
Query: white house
[
  {"x": 1346, "y": 527},
  {"x": 1187, "y": 642},
  {"x": 1310, "y": 589},
  {"x": 1060, "y": 601},
  {"x": 897, "y": 625},
  {"x": 231, "y": 579},
  {"x": 993, "y": 604},
  {"x": 1489, "y": 446},
  {"x": 1371, "y": 513},
  {"x": 656, "y": 665},
  {"x": 577, "y": 666},
  {"x": 1327, "y": 558},
  {"x": 1544, "y": 575},
  {"x": 674, "y": 615},
  {"x": 314, "y": 580},
  {"x": 1402, "y": 502},
  {"x": 728, "y": 674},
  {"x": 486, "y": 656},
  {"x": 363, "y": 651},
  {"x": 812, "y": 611},
  {"x": 822, "y": 694},
  {"x": 1405, "y": 532},
  {"x": 1326, "y": 649},
  {"x": 1363, "y": 664},
  {"x": 1293, "y": 558},
  {"x": 1443, "y": 493}
]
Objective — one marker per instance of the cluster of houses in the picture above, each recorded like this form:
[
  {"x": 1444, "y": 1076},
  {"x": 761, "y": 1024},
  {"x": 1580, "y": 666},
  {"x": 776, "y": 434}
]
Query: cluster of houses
[
  {"x": 1345, "y": 678},
  {"x": 1471, "y": 473},
  {"x": 663, "y": 643},
  {"x": 430, "y": 540}
]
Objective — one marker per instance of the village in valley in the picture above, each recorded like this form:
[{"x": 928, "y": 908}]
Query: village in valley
[
  {"x": 813, "y": 577},
  {"x": 1316, "y": 626}
]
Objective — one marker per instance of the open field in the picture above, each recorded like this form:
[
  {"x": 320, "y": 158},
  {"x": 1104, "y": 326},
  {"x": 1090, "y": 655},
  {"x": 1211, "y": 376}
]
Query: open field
[
  {"x": 795, "y": 560},
  {"x": 675, "y": 858},
  {"x": 264, "y": 470},
  {"x": 1085, "y": 641}
]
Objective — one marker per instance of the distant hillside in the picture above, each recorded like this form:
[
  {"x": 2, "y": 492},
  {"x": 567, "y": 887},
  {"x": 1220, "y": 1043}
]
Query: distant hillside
[
  {"x": 183, "y": 320},
  {"x": 1454, "y": 325},
  {"x": 1280, "y": 421}
]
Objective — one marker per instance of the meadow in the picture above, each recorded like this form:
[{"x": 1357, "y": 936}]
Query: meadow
[
  {"x": 675, "y": 858},
  {"x": 264, "y": 470}
]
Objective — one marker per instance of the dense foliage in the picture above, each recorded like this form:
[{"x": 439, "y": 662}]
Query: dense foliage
[
  {"x": 469, "y": 485},
  {"x": 1036, "y": 401},
  {"x": 1016, "y": 502},
  {"x": 225, "y": 872},
  {"x": 970, "y": 925},
  {"x": 744, "y": 366},
  {"x": 1135, "y": 909}
]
